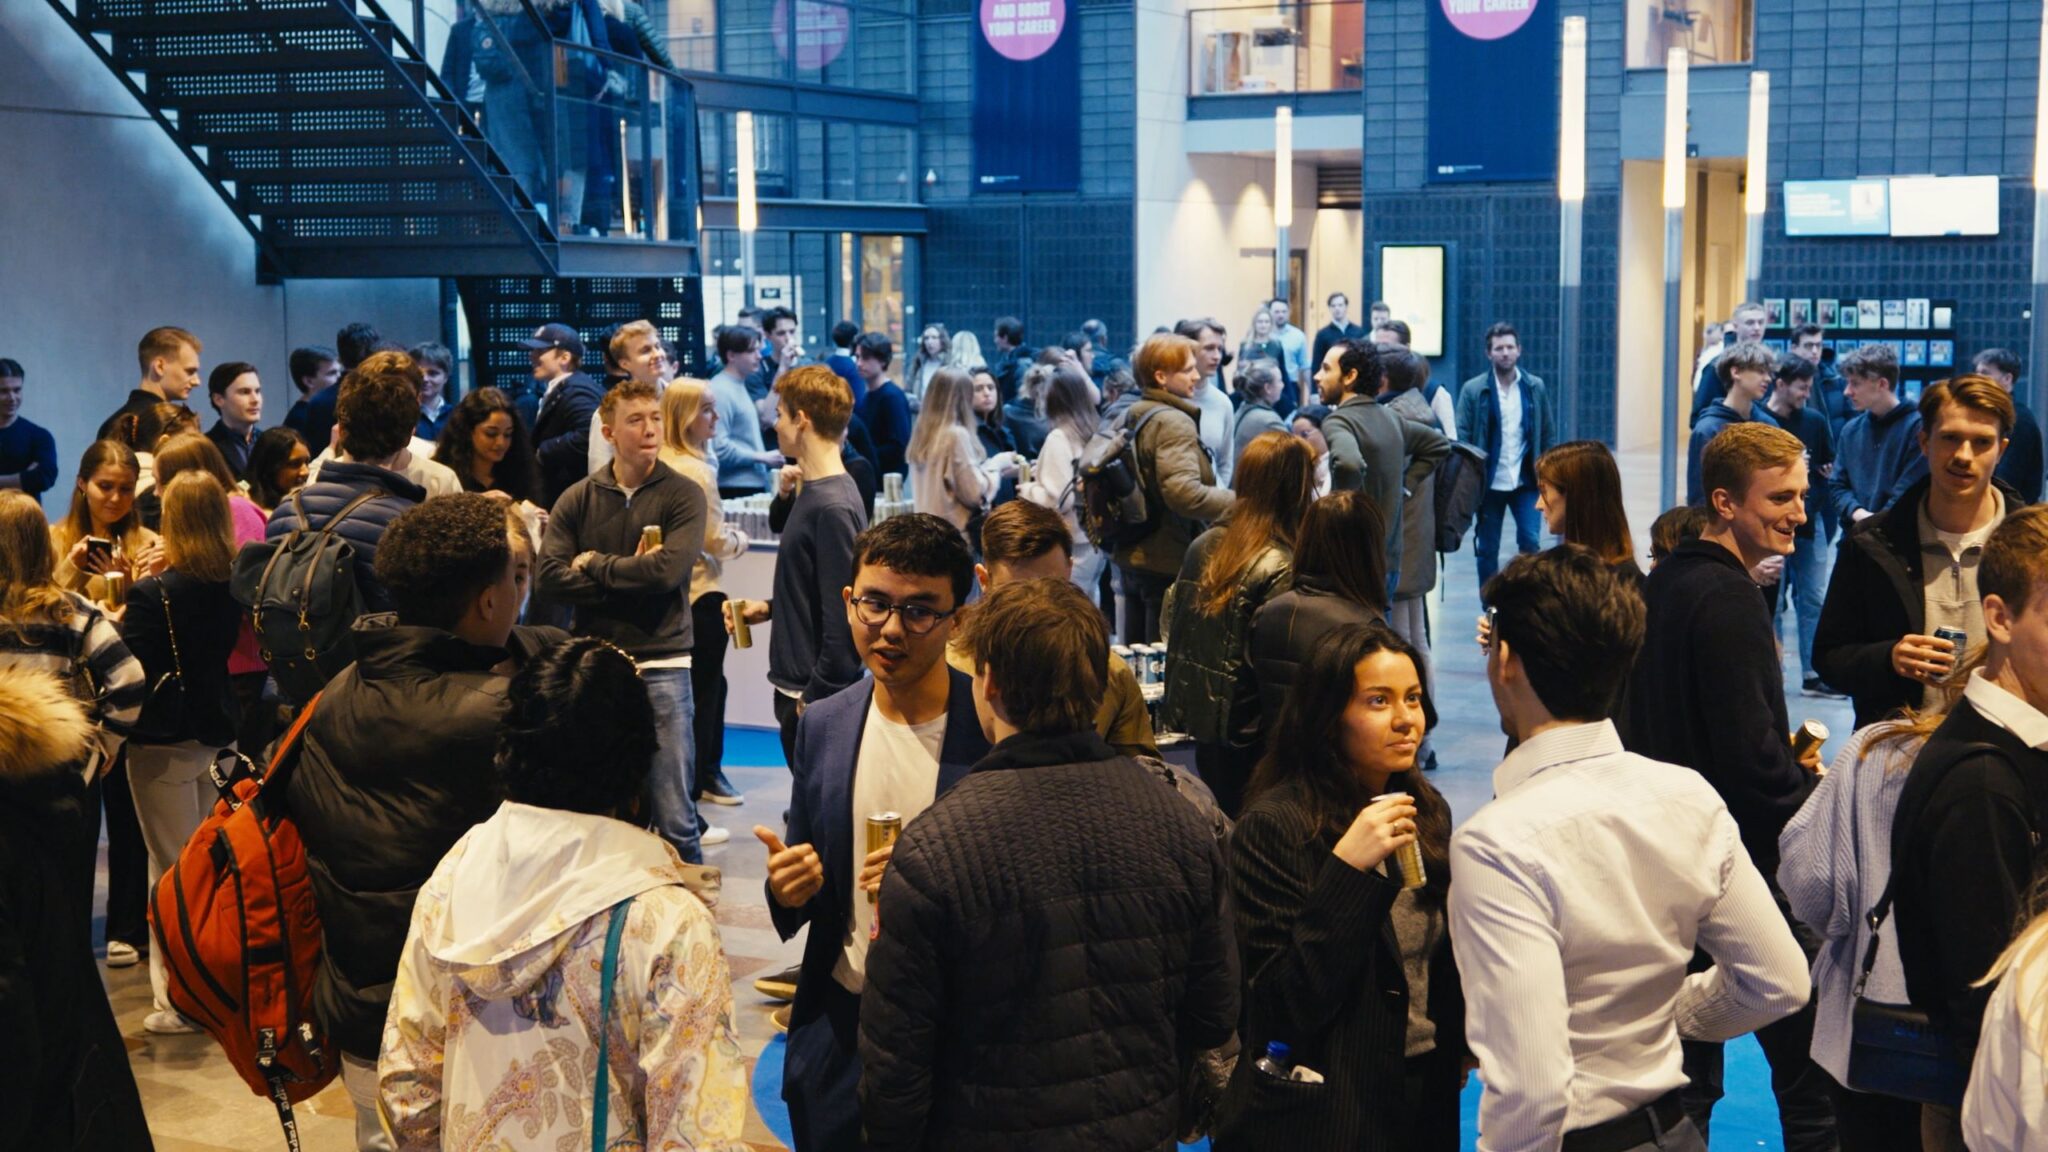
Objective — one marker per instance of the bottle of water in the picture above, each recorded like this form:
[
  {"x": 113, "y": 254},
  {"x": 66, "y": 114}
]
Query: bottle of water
[{"x": 1274, "y": 1062}]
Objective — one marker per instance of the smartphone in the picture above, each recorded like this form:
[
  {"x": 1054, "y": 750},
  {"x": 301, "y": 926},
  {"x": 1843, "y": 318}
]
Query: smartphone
[{"x": 100, "y": 550}]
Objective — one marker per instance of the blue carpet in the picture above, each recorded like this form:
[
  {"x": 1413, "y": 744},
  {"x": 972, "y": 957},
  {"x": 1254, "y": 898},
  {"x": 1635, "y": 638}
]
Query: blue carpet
[
  {"x": 752, "y": 747},
  {"x": 1747, "y": 1118}
]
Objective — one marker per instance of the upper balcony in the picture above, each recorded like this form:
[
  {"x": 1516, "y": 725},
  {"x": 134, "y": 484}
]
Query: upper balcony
[{"x": 1308, "y": 54}]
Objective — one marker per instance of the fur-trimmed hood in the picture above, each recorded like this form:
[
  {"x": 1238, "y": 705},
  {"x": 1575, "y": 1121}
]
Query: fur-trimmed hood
[
  {"x": 42, "y": 726},
  {"x": 616, "y": 9}
]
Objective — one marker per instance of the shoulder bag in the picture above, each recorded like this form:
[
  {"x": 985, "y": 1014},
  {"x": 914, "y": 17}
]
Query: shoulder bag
[{"x": 163, "y": 719}]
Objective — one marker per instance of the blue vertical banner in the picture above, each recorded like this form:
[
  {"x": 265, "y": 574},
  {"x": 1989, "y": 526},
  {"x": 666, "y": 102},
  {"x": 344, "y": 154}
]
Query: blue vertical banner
[
  {"x": 1027, "y": 97},
  {"x": 1492, "y": 90}
]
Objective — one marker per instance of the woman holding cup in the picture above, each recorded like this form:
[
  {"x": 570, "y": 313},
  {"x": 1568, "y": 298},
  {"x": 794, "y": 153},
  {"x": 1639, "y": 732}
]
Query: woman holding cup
[{"x": 1347, "y": 956}]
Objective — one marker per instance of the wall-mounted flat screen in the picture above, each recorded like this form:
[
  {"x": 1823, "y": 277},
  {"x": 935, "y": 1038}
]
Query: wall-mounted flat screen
[
  {"x": 1944, "y": 205},
  {"x": 1837, "y": 207},
  {"x": 1412, "y": 284}
]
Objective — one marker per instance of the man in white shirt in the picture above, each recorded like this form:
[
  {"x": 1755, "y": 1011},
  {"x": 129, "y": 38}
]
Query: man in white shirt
[
  {"x": 1293, "y": 341},
  {"x": 1218, "y": 414},
  {"x": 1585, "y": 886},
  {"x": 1505, "y": 413},
  {"x": 892, "y": 742}
]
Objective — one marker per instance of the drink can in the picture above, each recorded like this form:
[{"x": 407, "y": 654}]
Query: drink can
[
  {"x": 1157, "y": 661},
  {"x": 117, "y": 587},
  {"x": 650, "y": 537},
  {"x": 1141, "y": 663},
  {"x": 1023, "y": 472},
  {"x": 1408, "y": 857},
  {"x": 742, "y": 632},
  {"x": 892, "y": 486},
  {"x": 1959, "y": 639},
  {"x": 1811, "y": 734},
  {"x": 883, "y": 829}
]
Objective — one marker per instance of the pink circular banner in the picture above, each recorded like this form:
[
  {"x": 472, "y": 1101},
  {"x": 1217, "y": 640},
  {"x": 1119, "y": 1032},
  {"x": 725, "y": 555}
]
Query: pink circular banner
[
  {"x": 1488, "y": 19},
  {"x": 821, "y": 32},
  {"x": 1022, "y": 29}
]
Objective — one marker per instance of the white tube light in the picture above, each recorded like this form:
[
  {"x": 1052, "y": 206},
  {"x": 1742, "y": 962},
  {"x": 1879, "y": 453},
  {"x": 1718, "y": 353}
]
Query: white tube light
[
  {"x": 1674, "y": 128},
  {"x": 1283, "y": 167},
  {"x": 1571, "y": 147},
  {"x": 743, "y": 143},
  {"x": 1756, "y": 179}
]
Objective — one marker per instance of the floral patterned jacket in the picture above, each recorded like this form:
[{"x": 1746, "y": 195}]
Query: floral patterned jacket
[{"x": 491, "y": 1039}]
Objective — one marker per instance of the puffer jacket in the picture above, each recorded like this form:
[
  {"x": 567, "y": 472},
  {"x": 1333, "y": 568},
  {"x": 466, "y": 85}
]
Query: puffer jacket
[
  {"x": 65, "y": 1083},
  {"x": 1212, "y": 690},
  {"x": 1418, "y": 509},
  {"x": 1029, "y": 991},
  {"x": 1285, "y": 630},
  {"x": 397, "y": 763},
  {"x": 1179, "y": 479}
]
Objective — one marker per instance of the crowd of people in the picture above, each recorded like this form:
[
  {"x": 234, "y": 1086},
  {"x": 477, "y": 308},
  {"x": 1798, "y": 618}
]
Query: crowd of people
[{"x": 505, "y": 713}]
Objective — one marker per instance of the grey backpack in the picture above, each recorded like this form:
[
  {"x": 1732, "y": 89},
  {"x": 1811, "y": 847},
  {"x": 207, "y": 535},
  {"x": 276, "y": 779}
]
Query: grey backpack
[{"x": 303, "y": 601}]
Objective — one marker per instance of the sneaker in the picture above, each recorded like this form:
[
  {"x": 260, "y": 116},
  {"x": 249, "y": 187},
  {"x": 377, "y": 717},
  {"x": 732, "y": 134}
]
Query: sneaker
[
  {"x": 780, "y": 1018},
  {"x": 717, "y": 795},
  {"x": 167, "y": 1022},
  {"x": 1812, "y": 686},
  {"x": 780, "y": 986},
  {"x": 121, "y": 954},
  {"x": 714, "y": 836}
]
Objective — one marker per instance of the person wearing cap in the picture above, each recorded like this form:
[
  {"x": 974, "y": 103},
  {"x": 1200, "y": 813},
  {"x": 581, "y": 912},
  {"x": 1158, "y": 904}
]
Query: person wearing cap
[{"x": 561, "y": 429}]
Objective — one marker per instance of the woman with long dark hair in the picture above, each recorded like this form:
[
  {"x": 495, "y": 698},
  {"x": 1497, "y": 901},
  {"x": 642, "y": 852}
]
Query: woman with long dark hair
[
  {"x": 1070, "y": 410},
  {"x": 1578, "y": 490},
  {"x": 488, "y": 447},
  {"x": 1342, "y": 963},
  {"x": 1230, "y": 571},
  {"x": 1340, "y": 577},
  {"x": 278, "y": 464}
]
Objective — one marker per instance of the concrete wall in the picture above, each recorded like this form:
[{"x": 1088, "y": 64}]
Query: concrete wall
[{"x": 107, "y": 230}]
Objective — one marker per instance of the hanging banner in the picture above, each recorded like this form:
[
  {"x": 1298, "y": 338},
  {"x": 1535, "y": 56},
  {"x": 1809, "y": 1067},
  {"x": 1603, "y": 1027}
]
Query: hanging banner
[
  {"x": 1027, "y": 97},
  {"x": 1492, "y": 90}
]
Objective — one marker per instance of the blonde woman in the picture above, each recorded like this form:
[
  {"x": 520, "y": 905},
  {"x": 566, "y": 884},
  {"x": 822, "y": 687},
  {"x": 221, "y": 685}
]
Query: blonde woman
[
  {"x": 103, "y": 531},
  {"x": 182, "y": 624},
  {"x": 966, "y": 352},
  {"x": 1054, "y": 484},
  {"x": 950, "y": 477},
  {"x": 689, "y": 421}
]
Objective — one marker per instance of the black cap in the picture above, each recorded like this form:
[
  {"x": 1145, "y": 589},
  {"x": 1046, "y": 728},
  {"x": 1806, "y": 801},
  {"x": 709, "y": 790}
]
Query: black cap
[{"x": 554, "y": 336}]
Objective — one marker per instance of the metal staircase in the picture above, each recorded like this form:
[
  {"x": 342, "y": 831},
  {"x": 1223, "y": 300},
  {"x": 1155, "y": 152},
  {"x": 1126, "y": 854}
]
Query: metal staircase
[{"x": 340, "y": 148}]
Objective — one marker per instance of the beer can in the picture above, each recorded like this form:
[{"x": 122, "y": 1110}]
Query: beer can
[
  {"x": 1811, "y": 734},
  {"x": 1957, "y": 637},
  {"x": 1023, "y": 472},
  {"x": 883, "y": 829},
  {"x": 892, "y": 486},
  {"x": 117, "y": 587},
  {"x": 742, "y": 632},
  {"x": 1408, "y": 857},
  {"x": 1141, "y": 663},
  {"x": 650, "y": 537},
  {"x": 1157, "y": 660}
]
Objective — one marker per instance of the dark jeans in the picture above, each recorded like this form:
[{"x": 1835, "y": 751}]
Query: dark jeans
[
  {"x": 821, "y": 1074},
  {"x": 1144, "y": 600},
  {"x": 127, "y": 860},
  {"x": 1431, "y": 1124},
  {"x": 1226, "y": 769},
  {"x": 1805, "y": 1115},
  {"x": 1528, "y": 531},
  {"x": 707, "y": 685},
  {"x": 1866, "y": 1122},
  {"x": 785, "y": 722}
]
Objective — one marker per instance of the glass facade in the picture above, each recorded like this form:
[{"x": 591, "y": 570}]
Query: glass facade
[
  {"x": 1711, "y": 31},
  {"x": 822, "y": 160},
  {"x": 821, "y": 276},
  {"x": 864, "y": 46},
  {"x": 1276, "y": 48}
]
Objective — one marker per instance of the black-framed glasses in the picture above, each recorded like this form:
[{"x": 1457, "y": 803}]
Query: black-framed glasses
[{"x": 874, "y": 611}]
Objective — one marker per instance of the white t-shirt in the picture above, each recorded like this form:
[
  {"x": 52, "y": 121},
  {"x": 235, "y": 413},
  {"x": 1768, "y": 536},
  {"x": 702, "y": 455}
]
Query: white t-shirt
[
  {"x": 898, "y": 771},
  {"x": 1507, "y": 474}
]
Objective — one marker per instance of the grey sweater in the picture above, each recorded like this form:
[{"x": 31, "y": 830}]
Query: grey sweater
[{"x": 640, "y": 603}]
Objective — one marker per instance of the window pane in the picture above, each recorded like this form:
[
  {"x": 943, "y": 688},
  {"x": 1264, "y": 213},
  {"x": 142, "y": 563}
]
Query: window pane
[
  {"x": 1711, "y": 31},
  {"x": 885, "y": 162}
]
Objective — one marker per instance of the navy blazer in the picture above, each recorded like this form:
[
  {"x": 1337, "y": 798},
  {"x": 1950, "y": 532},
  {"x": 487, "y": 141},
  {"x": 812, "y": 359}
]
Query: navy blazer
[
  {"x": 561, "y": 434},
  {"x": 821, "y": 815}
]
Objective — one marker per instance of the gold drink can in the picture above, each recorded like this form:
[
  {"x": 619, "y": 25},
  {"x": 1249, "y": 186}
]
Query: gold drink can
[
  {"x": 1811, "y": 734},
  {"x": 1409, "y": 857},
  {"x": 1023, "y": 471},
  {"x": 742, "y": 632},
  {"x": 650, "y": 537},
  {"x": 117, "y": 587},
  {"x": 883, "y": 829}
]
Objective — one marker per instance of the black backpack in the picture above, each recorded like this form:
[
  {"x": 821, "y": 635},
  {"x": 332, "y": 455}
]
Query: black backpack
[
  {"x": 1113, "y": 509},
  {"x": 1460, "y": 486},
  {"x": 303, "y": 600}
]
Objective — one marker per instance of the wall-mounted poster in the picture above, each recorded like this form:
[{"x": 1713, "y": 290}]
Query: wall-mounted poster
[
  {"x": 1916, "y": 354},
  {"x": 1941, "y": 353},
  {"x": 1846, "y": 319},
  {"x": 1824, "y": 312},
  {"x": 1894, "y": 314},
  {"x": 1944, "y": 318},
  {"x": 1844, "y": 347},
  {"x": 1918, "y": 313},
  {"x": 1798, "y": 312},
  {"x": 1027, "y": 97},
  {"x": 1774, "y": 312},
  {"x": 1870, "y": 314},
  {"x": 1492, "y": 90},
  {"x": 1412, "y": 279},
  {"x": 1776, "y": 346}
]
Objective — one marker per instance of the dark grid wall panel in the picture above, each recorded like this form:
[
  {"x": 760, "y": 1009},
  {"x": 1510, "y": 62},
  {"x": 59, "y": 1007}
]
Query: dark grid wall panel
[
  {"x": 1900, "y": 86},
  {"x": 1506, "y": 269},
  {"x": 1053, "y": 263},
  {"x": 1986, "y": 276}
]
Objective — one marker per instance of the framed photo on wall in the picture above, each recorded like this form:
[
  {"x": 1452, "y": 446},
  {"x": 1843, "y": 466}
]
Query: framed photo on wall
[
  {"x": 1798, "y": 311},
  {"x": 1894, "y": 314},
  {"x": 1941, "y": 353},
  {"x": 1916, "y": 354},
  {"x": 1918, "y": 313},
  {"x": 1774, "y": 312},
  {"x": 1824, "y": 312},
  {"x": 1944, "y": 318},
  {"x": 1870, "y": 314}
]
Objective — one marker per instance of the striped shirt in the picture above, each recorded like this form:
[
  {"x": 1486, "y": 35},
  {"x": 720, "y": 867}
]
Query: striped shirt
[{"x": 88, "y": 640}]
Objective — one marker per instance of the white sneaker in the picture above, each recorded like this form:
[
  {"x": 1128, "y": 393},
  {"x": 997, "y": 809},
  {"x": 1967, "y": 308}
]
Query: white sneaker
[
  {"x": 714, "y": 836},
  {"x": 121, "y": 954},
  {"x": 167, "y": 1022}
]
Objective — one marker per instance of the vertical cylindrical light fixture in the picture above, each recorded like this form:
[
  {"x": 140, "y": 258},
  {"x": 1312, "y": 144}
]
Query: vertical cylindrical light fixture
[
  {"x": 1675, "y": 76},
  {"x": 1283, "y": 194},
  {"x": 1756, "y": 183},
  {"x": 749, "y": 217},
  {"x": 1571, "y": 203},
  {"x": 2038, "y": 328}
]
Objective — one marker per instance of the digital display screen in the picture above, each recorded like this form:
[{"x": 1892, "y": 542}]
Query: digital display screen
[
  {"x": 1412, "y": 284},
  {"x": 1838, "y": 207},
  {"x": 1944, "y": 205}
]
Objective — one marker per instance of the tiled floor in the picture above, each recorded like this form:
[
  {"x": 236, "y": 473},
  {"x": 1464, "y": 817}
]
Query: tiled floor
[{"x": 196, "y": 1104}]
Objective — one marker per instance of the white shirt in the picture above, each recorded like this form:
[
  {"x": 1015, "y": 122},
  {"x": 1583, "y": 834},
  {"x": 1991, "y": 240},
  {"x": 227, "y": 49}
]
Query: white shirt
[
  {"x": 2007, "y": 710},
  {"x": 2006, "y": 1106},
  {"x": 1507, "y": 475},
  {"x": 897, "y": 771},
  {"x": 1217, "y": 417},
  {"x": 416, "y": 464},
  {"x": 1582, "y": 891}
]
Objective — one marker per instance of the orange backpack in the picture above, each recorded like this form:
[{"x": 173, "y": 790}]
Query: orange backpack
[{"x": 235, "y": 924}]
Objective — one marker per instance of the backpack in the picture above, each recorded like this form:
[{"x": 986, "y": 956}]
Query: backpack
[
  {"x": 1460, "y": 485},
  {"x": 1113, "y": 509},
  {"x": 303, "y": 600},
  {"x": 234, "y": 921}
]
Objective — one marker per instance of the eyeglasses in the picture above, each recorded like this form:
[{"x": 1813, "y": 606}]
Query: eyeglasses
[{"x": 874, "y": 611}]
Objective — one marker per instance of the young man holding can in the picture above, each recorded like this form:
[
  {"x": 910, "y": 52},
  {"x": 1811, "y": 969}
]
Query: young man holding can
[
  {"x": 1902, "y": 606},
  {"x": 619, "y": 548},
  {"x": 891, "y": 743}
]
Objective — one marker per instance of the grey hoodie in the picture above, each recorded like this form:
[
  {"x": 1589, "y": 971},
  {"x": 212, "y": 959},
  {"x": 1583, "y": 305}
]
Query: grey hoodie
[{"x": 640, "y": 603}]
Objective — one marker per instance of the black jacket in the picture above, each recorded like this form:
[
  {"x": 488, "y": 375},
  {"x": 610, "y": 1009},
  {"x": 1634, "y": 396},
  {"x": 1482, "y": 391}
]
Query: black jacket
[
  {"x": 1034, "y": 991},
  {"x": 1285, "y": 630},
  {"x": 1965, "y": 850},
  {"x": 65, "y": 1083},
  {"x": 1876, "y": 595},
  {"x": 194, "y": 639},
  {"x": 2021, "y": 465},
  {"x": 561, "y": 434},
  {"x": 1708, "y": 692},
  {"x": 1323, "y": 975},
  {"x": 397, "y": 763}
]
